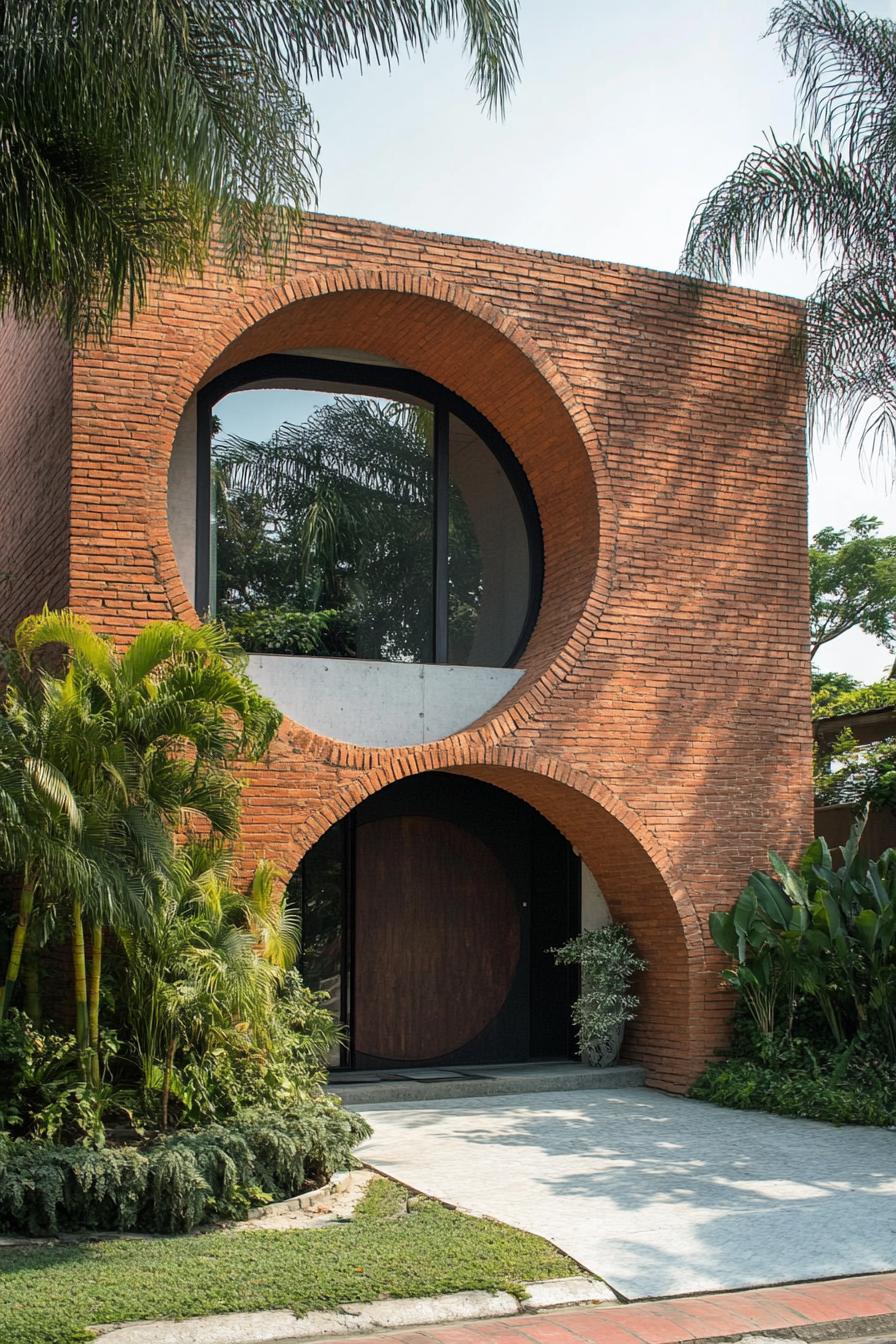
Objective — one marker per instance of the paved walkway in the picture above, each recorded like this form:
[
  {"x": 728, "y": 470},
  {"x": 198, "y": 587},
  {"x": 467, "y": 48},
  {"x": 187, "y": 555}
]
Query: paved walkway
[
  {"x": 657, "y": 1194},
  {"x": 858, "y": 1303}
]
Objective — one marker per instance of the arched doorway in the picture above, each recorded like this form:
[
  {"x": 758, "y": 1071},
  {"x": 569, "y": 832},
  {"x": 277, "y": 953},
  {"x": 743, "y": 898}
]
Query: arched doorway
[{"x": 428, "y": 916}]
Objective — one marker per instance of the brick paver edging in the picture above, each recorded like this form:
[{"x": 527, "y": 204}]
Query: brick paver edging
[{"x": 674, "y": 1320}]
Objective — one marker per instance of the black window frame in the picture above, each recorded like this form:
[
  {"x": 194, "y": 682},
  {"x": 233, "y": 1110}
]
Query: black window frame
[{"x": 386, "y": 378}]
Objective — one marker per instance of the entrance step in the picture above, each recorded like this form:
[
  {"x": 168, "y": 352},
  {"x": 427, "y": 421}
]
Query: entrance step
[{"x": 478, "y": 1080}]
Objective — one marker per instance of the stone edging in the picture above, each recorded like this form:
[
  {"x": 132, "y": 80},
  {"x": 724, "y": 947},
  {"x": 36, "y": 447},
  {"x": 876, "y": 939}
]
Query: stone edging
[
  {"x": 269, "y": 1327},
  {"x": 339, "y": 1181}
]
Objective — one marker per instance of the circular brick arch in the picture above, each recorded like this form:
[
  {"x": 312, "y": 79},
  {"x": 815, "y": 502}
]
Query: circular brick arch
[
  {"x": 465, "y": 343},
  {"x": 633, "y": 870}
]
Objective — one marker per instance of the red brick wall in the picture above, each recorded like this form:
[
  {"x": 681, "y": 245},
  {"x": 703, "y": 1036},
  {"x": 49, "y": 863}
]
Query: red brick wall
[
  {"x": 35, "y": 444},
  {"x": 663, "y": 722}
]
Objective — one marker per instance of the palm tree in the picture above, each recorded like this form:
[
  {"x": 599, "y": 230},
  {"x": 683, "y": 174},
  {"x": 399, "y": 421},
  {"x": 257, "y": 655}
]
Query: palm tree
[
  {"x": 208, "y": 965},
  {"x": 143, "y": 739},
  {"x": 131, "y": 132},
  {"x": 53, "y": 724},
  {"x": 40, "y": 824},
  {"x": 831, "y": 196}
]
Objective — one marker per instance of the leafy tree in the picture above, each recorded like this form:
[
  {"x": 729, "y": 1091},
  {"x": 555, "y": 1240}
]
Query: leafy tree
[
  {"x": 827, "y": 686},
  {"x": 855, "y": 774},
  {"x": 831, "y": 196},
  {"x": 131, "y": 133},
  {"x": 836, "y": 693},
  {"x": 846, "y": 770},
  {"x": 852, "y": 575}
]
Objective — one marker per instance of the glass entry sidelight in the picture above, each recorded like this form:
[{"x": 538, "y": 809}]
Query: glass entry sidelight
[
  {"x": 428, "y": 916},
  {"x": 319, "y": 889}
]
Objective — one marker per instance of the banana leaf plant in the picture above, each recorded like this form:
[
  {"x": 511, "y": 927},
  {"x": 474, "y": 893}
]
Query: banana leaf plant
[{"x": 825, "y": 931}]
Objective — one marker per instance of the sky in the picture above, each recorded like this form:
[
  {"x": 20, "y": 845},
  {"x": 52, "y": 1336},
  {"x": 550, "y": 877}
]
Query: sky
[{"x": 626, "y": 114}]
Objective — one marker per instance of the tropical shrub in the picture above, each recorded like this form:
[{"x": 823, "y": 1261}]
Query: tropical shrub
[
  {"x": 199, "y": 982},
  {"x": 107, "y": 759},
  {"x": 813, "y": 952},
  {"x": 801, "y": 1072},
  {"x": 43, "y": 1092},
  {"x": 292, "y": 1065},
  {"x": 608, "y": 964},
  {"x": 177, "y": 1182},
  {"x": 821, "y": 931},
  {"x": 814, "y": 1087}
]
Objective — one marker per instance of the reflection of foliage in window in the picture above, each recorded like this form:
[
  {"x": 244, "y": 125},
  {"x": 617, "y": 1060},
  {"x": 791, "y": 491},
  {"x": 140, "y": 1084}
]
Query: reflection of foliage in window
[
  {"x": 316, "y": 890},
  {"x": 335, "y": 515}
]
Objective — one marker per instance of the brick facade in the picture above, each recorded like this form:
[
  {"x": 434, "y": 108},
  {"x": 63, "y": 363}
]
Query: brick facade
[
  {"x": 662, "y": 723},
  {"x": 35, "y": 461}
]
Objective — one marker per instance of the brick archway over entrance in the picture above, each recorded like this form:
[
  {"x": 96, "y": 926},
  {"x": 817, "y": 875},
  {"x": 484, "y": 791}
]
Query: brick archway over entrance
[{"x": 636, "y": 877}]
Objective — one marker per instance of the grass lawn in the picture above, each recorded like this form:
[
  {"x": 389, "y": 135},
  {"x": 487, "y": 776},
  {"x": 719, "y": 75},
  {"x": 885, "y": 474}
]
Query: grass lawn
[{"x": 52, "y": 1294}]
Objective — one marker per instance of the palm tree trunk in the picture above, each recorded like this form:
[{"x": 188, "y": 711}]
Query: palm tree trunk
[
  {"x": 96, "y": 969},
  {"x": 79, "y": 964},
  {"x": 31, "y": 983},
  {"x": 166, "y": 1081},
  {"x": 26, "y": 905}
]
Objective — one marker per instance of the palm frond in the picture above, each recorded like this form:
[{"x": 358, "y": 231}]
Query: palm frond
[
  {"x": 789, "y": 197},
  {"x": 132, "y": 135},
  {"x": 72, "y": 631},
  {"x": 326, "y": 38},
  {"x": 54, "y": 788},
  {"x": 271, "y": 922},
  {"x": 844, "y": 62},
  {"x": 831, "y": 197}
]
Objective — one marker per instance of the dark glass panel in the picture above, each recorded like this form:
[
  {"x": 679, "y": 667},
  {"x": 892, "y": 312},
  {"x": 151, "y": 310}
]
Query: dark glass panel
[
  {"x": 488, "y": 554},
  {"x": 318, "y": 890}
]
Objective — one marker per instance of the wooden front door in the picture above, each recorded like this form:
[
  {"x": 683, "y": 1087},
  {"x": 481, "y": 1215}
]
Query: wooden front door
[{"x": 440, "y": 938}]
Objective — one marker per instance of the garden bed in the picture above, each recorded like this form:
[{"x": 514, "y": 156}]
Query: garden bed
[
  {"x": 178, "y": 1182},
  {"x": 812, "y": 1084}
]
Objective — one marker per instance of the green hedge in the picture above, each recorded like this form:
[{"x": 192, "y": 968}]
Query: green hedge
[
  {"x": 178, "y": 1182},
  {"x": 813, "y": 1091}
]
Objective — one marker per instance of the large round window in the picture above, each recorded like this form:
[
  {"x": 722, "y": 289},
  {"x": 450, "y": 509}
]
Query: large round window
[{"x": 360, "y": 510}]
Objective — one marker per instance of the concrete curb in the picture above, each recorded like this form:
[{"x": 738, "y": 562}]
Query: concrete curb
[{"x": 280, "y": 1327}]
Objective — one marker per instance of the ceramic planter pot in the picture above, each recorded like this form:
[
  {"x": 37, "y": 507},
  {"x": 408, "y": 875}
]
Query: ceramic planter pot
[{"x": 602, "y": 1053}]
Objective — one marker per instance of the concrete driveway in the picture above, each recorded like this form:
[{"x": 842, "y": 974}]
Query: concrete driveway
[{"x": 657, "y": 1194}]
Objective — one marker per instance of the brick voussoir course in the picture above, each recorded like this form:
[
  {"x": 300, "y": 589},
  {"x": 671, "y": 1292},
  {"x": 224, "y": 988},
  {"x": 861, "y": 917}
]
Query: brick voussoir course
[{"x": 662, "y": 721}]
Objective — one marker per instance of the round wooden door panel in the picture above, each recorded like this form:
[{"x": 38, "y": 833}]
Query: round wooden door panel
[{"x": 436, "y": 940}]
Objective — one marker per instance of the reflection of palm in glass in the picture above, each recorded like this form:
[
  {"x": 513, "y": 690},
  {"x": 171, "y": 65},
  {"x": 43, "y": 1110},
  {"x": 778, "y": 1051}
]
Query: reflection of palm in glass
[{"x": 334, "y": 515}]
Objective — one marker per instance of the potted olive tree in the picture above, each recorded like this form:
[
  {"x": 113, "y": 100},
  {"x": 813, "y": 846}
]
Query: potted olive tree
[{"x": 608, "y": 963}]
